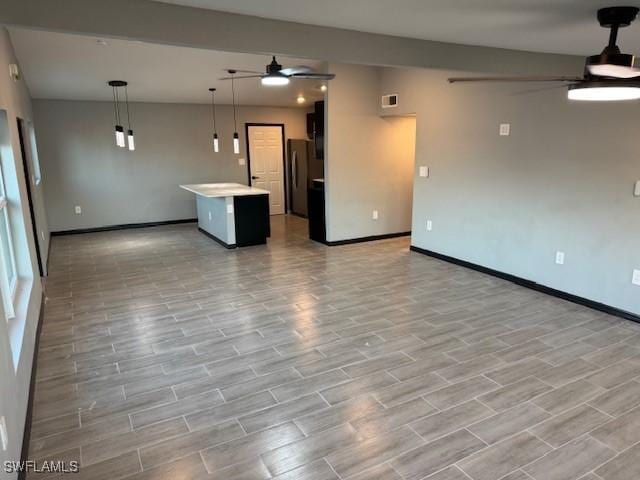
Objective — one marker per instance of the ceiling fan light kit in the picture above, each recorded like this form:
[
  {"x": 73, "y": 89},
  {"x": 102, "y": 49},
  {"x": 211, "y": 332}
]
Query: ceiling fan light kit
[
  {"x": 609, "y": 76},
  {"x": 604, "y": 91}
]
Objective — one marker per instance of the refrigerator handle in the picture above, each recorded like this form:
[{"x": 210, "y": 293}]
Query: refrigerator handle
[{"x": 294, "y": 167}]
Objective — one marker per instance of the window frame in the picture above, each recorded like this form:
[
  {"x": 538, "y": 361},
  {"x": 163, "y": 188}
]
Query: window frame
[{"x": 8, "y": 285}]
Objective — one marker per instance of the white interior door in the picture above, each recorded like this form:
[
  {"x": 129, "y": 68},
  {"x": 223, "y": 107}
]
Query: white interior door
[{"x": 265, "y": 153}]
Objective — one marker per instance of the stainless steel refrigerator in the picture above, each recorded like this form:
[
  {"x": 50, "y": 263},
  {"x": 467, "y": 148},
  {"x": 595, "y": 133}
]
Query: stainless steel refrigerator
[{"x": 302, "y": 168}]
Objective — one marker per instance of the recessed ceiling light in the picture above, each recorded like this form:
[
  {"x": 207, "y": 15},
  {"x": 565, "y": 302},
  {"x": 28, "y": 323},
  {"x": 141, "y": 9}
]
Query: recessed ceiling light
[
  {"x": 301, "y": 99},
  {"x": 604, "y": 91}
]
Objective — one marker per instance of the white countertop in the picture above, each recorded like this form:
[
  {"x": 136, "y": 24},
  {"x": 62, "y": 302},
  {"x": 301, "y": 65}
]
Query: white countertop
[{"x": 212, "y": 190}]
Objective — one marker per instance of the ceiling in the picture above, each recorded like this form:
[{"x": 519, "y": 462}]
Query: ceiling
[
  {"x": 75, "y": 67},
  {"x": 556, "y": 26}
]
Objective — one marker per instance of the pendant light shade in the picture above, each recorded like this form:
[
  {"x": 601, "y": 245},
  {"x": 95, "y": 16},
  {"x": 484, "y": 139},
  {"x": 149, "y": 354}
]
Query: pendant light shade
[
  {"x": 236, "y": 144},
  {"x": 119, "y": 136},
  {"x": 236, "y": 138},
  {"x": 216, "y": 141},
  {"x": 132, "y": 143}
]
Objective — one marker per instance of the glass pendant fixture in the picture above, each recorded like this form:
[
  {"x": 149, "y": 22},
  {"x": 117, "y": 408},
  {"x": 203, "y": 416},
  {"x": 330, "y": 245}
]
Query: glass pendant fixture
[
  {"x": 216, "y": 142},
  {"x": 130, "y": 139},
  {"x": 236, "y": 138},
  {"x": 119, "y": 129}
]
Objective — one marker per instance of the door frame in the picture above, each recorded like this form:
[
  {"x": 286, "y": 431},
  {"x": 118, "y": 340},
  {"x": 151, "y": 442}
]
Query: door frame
[
  {"x": 28, "y": 181},
  {"x": 285, "y": 181}
]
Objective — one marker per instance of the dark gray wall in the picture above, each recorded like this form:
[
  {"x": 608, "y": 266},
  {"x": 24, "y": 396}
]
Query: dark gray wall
[
  {"x": 82, "y": 166},
  {"x": 562, "y": 181}
]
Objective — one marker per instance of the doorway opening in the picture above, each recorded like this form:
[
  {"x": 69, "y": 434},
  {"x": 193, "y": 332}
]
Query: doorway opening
[{"x": 30, "y": 180}]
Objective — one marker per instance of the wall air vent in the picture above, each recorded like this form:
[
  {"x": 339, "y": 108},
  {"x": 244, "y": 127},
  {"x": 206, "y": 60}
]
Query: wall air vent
[{"x": 390, "y": 101}]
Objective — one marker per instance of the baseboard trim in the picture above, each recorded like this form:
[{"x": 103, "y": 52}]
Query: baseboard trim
[
  {"x": 221, "y": 242},
  {"x": 26, "y": 435},
  {"x": 371, "y": 238},
  {"x": 124, "y": 226},
  {"x": 523, "y": 282}
]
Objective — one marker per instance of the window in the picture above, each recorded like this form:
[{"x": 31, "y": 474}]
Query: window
[{"x": 8, "y": 270}]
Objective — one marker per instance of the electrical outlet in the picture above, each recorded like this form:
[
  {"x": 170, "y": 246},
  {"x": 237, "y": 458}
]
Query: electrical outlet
[
  {"x": 209, "y": 215},
  {"x": 78, "y": 209},
  {"x": 505, "y": 129},
  {"x": 636, "y": 277},
  {"x": 424, "y": 172},
  {"x": 636, "y": 190},
  {"x": 229, "y": 208},
  {"x": 374, "y": 215},
  {"x": 242, "y": 161},
  {"x": 429, "y": 225},
  {"x": 3, "y": 434},
  {"x": 560, "y": 258}
]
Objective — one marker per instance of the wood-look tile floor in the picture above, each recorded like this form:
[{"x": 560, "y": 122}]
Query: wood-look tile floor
[{"x": 165, "y": 356}]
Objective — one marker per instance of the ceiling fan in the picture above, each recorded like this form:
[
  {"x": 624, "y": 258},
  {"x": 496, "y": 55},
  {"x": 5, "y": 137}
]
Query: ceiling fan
[
  {"x": 611, "y": 75},
  {"x": 275, "y": 75}
]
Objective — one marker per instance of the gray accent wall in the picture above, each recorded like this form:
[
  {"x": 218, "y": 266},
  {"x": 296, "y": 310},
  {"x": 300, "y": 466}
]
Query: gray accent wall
[
  {"x": 369, "y": 159},
  {"x": 562, "y": 181},
  {"x": 82, "y": 166}
]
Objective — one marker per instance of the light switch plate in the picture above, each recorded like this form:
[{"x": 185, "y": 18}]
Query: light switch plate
[
  {"x": 78, "y": 209},
  {"x": 424, "y": 172},
  {"x": 505, "y": 129},
  {"x": 4, "y": 440},
  {"x": 636, "y": 190},
  {"x": 560, "y": 258},
  {"x": 374, "y": 215},
  {"x": 229, "y": 208},
  {"x": 209, "y": 215},
  {"x": 636, "y": 277},
  {"x": 242, "y": 161},
  {"x": 429, "y": 225}
]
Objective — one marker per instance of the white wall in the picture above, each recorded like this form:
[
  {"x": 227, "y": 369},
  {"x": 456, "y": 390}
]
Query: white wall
[
  {"x": 369, "y": 160},
  {"x": 82, "y": 166},
  {"x": 562, "y": 181},
  {"x": 17, "y": 338}
]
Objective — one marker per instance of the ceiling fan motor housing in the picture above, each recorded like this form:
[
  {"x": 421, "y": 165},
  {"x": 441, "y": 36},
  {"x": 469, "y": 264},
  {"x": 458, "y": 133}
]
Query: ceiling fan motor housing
[
  {"x": 612, "y": 62},
  {"x": 274, "y": 67}
]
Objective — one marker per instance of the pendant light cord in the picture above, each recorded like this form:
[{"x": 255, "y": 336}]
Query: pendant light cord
[
  {"x": 115, "y": 105},
  {"x": 126, "y": 97},
  {"x": 213, "y": 111},
  {"x": 233, "y": 96}
]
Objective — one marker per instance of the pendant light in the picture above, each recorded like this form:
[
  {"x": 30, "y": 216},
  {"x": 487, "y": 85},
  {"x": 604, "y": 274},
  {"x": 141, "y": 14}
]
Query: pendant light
[
  {"x": 130, "y": 139},
  {"x": 236, "y": 138},
  {"x": 119, "y": 130},
  {"x": 216, "y": 143}
]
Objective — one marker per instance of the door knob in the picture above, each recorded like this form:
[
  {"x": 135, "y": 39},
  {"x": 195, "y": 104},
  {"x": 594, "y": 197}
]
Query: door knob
[{"x": 253, "y": 177}]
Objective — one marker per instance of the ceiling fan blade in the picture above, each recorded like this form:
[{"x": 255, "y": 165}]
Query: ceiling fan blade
[
  {"x": 541, "y": 89},
  {"x": 249, "y": 71},
  {"x": 538, "y": 78},
  {"x": 239, "y": 77},
  {"x": 314, "y": 76},
  {"x": 296, "y": 69}
]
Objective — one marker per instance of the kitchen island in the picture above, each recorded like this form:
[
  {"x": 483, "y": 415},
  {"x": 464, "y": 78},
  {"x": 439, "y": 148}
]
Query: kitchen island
[{"x": 232, "y": 214}]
